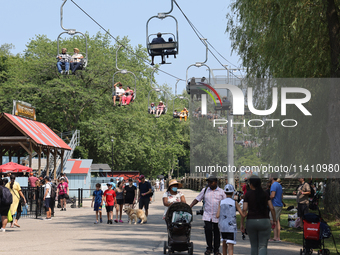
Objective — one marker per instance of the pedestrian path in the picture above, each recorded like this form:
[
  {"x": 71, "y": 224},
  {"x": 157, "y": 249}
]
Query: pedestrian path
[{"x": 73, "y": 232}]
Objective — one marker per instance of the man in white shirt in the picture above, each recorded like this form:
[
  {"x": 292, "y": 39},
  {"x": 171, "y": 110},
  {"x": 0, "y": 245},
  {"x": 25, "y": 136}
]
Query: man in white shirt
[
  {"x": 119, "y": 93},
  {"x": 47, "y": 197}
]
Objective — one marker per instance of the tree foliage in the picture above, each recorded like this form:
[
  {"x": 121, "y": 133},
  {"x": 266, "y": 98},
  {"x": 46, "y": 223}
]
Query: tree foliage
[
  {"x": 84, "y": 101},
  {"x": 295, "y": 39}
]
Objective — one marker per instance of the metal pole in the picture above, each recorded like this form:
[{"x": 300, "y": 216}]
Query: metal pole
[{"x": 230, "y": 146}]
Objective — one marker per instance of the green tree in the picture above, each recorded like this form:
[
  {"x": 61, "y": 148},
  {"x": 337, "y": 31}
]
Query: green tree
[{"x": 294, "y": 39}]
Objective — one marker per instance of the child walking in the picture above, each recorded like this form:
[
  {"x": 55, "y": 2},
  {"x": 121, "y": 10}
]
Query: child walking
[
  {"x": 227, "y": 219},
  {"x": 110, "y": 201},
  {"x": 98, "y": 202}
]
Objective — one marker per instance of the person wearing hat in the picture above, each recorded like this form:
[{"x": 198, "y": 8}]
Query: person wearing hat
[
  {"x": 212, "y": 196},
  {"x": 158, "y": 39},
  {"x": 63, "y": 60},
  {"x": 32, "y": 179},
  {"x": 172, "y": 195},
  {"x": 160, "y": 108},
  {"x": 152, "y": 108},
  {"x": 183, "y": 113},
  {"x": 119, "y": 92},
  {"x": 47, "y": 197},
  {"x": 110, "y": 201},
  {"x": 226, "y": 213},
  {"x": 76, "y": 60},
  {"x": 144, "y": 193}
]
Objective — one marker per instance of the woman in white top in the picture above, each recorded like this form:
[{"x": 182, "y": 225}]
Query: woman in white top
[
  {"x": 76, "y": 60},
  {"x": 172, "y": 195},
  {"x": 157, "y": 184}
]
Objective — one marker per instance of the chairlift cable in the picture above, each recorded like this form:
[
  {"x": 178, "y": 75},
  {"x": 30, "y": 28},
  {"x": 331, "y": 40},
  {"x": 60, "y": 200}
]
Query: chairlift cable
[
  {"x": 199, "y": 35},
  {"x": 144, "y": 60}
]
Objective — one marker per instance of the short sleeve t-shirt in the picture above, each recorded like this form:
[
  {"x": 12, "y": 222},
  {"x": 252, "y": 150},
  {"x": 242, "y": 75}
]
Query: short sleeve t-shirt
[
  {"x": 32, "y": 181},
  {"x": 254, "y": 210},
  {"x": 303, "y": 199},
  {"x": 144, "y": 187},
  {"x": 48, "y": 186},
  {"x": 98, "y": 194},
  {"x": 119, "y": 91},
  {"x": 130, "y": 192},
  {"x": 277, "y": 200},
  {"x": 62, "y": 188},
  {"x": 172, "y": 198},
  {"x": 110, "y": 197}
]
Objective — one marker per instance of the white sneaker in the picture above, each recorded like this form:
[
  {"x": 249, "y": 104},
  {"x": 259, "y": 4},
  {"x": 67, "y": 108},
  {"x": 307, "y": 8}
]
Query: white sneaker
[
  {"x": 47, "y": 219},
  {"x": 2, "y": 230},
  {"x": 62, "y": 72}
]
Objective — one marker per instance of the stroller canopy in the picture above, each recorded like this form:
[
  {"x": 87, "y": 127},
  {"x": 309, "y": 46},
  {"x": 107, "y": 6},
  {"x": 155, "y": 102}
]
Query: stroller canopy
[{"x": 177, "y": 208}]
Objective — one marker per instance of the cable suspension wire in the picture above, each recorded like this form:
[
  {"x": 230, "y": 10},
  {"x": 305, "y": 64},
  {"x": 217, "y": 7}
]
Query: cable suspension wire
[
  {"x": 144, "y": 60},
  {"x": 199, "y": 35}
]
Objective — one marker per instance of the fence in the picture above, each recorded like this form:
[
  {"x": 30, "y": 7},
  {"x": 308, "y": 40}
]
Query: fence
[{"x": 35, "y": 202}]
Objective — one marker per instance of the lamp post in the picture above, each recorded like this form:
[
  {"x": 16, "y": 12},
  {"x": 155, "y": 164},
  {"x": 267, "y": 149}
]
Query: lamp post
[{"x": 112, "y": 140}]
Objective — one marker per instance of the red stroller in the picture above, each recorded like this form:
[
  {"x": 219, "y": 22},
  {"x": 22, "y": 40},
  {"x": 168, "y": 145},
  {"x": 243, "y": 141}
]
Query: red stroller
[{"x": 312, "y": 236}]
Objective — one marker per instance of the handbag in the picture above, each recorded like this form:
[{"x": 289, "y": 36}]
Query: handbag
[
  {"x": 9, "y": 216},
  {"x": 66, "y": 196}
]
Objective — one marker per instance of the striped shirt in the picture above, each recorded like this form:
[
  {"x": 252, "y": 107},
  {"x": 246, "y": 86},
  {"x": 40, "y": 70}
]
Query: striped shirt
[{"x": 212, "y": 200}]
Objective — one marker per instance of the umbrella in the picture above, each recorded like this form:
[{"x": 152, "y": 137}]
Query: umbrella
[
  {"x": 160, "y": 176},
  {"x": 12, "y": 167}
]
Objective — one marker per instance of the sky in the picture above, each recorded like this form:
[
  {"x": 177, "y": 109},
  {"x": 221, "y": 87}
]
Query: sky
[{"x": 25, "y": 19}]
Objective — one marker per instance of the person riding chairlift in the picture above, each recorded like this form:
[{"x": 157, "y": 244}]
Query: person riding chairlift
[
  {"x": 152, "y": 108},
  {"x": 160, "y": 108},
  {"x": 118, "y": 93},
  {"x": 183, "y": 113},
  {"x": 127, "y": 97}
]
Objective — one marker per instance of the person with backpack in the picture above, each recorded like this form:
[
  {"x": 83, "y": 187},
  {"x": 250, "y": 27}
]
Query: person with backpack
[
  {"x": 6, "y": 200},
  {"x": 302, "y": 198},
  {"x": 15, "y": 189},
  {"x": 53, "y": 197}
]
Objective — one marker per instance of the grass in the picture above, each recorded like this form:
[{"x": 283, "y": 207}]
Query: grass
[{"x": 294, "y": 235}]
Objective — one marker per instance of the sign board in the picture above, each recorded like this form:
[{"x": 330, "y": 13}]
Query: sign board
[{"x": 23, "y": 109}]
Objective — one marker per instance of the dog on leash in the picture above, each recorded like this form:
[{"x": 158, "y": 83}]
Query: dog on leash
[{"x": 135, "y": 214}]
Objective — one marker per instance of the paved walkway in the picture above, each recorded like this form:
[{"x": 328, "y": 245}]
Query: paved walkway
[{"x": 73, "y": 232}]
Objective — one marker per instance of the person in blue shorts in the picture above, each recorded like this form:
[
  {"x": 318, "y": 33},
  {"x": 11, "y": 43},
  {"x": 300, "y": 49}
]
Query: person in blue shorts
[{"x": 98, "y": 202}]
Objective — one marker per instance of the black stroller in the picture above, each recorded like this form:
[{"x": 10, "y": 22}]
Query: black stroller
[{"x": 178, "y": 222}]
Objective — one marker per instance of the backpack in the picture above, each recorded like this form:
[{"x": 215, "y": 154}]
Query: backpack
[
  {"x": 312, "y": 191},
  {"x": 53, "y": 191},
  {"x": 7, "y": 198}
]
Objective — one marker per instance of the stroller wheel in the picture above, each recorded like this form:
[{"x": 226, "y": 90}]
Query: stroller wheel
[
  {"x": 302, "y": 252},
  {"x": 165, "y": 247},
  {"x": 191, "y": 249}
]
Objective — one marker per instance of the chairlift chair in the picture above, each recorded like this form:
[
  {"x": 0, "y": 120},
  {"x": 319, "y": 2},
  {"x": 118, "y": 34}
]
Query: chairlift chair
[
  {"x": 173, "y": 108},
  {"x": 166, "y": 104},
  {"x": 123, "y": 71},
  {"x": 166, "y": 48},
  {"x": 84, "y": 61}
]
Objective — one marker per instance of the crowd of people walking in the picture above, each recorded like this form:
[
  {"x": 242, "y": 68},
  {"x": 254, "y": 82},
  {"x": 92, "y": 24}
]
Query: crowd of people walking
[{"x": 259, "y": 209}]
